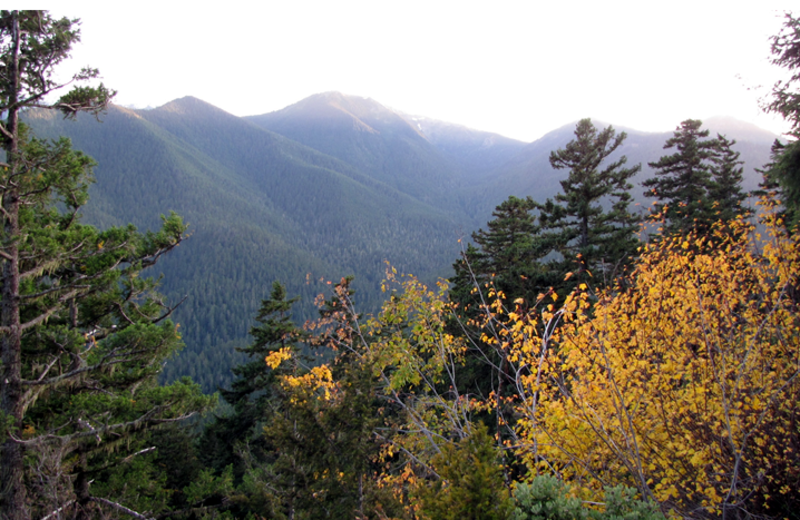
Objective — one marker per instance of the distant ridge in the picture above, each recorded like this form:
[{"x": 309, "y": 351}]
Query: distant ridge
[{"x": 472, "y": 150}]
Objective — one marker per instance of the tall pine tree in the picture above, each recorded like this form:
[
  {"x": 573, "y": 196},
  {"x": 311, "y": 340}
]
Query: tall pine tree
[
  {"x": 252, "y": 393},
  {"x": 595, "y": 231},
  {"x": 508, "y": 255},
  {"x": 698, "y": 184}
]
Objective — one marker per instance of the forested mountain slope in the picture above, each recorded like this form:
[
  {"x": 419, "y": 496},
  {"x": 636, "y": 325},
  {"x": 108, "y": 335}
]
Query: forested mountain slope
[
  {"x": 331, "y": 186},
  {"x": 474, "y": 151},
  {"x": 372, "y": 139},
  {"x": 260, "y": 208}
]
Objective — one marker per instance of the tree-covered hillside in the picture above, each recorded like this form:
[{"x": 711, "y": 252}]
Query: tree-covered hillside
[{"x": 260, "y": 208}]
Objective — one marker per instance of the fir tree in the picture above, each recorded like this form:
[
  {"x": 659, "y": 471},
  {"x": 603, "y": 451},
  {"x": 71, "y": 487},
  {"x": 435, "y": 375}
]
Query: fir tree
[
  {"x": 508, "y": 259},
  {"x": 682, "y": 179},
  {"x": 779, "y": 181},
  {"x": 252, "y": 393},
  {"x": 601, "y": 240},
  {"x": 725, "y": 191},
  {"x": 508, "y": 255}
]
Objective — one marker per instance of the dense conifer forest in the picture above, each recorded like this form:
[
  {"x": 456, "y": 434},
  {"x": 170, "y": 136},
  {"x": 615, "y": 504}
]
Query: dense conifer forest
[{"x": 601, "y": 324}]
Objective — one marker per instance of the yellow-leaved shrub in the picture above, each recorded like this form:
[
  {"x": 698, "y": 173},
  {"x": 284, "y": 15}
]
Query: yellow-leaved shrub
[{"x": 682, "y": 382}]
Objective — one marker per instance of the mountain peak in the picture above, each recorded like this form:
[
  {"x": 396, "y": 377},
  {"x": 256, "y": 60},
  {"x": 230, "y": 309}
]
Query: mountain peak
[
  {"x": 336, "y": 112},
  {"x": 188, "y": 105},
  {"x": 365, "y": 114}
]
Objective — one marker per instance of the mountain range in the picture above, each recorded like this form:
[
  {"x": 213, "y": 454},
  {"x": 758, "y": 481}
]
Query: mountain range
[{"x": 333, "y": 185}]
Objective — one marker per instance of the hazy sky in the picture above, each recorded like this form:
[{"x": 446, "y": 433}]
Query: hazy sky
[{"x": 516, "y": 68}]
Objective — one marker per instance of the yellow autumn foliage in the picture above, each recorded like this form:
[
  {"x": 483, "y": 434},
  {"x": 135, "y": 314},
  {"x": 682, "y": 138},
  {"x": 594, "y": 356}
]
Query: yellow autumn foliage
[{"x": 683, "y": 382}]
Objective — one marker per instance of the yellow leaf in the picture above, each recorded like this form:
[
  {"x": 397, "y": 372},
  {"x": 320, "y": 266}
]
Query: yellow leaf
[{"x": 274, "y": 359}]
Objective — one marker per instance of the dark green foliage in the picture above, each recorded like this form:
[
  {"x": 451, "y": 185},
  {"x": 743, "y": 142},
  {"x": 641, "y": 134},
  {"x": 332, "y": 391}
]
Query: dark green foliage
[
  {"x": 725, "y": 192},
  {"x": 509, "y": 254},
  {"x": 621, "y": 503},
  {"x": 470, "y": 484},
  {"x": 683, "y": 178},
  {"x": 325, "y": 448},
  {"x": 295, "y": 452},
  {"x": 275, "y": 331},
  {"x": 781, "y": 180},
  {"x": 89, "y": 370},
  {"x": 32, "y": 44},
  {"x": 83, "y": 336},
  {"x": 236, "y": 439},
  {"x": 786, "y": 54},
  {"x": 590, "y": 236},
  {"x": 508, "y": 259},
  {"x": 546, "y": 498},
  {"x": 700, "y": 183},
  {"x": 782, "y": 175}
]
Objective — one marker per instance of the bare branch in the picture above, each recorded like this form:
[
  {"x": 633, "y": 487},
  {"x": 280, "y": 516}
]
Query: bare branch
[
  {"x": 120, "y": 507},
  {"x": 170, "y": 310}
]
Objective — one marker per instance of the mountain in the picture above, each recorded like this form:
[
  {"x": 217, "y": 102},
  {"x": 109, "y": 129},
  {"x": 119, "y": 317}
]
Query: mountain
[
  {"x": 260, "y": 208},
  {"x": 331, "y": 186},
  {"x": 371, "y": 138},
  {"x": 475, "y": 152}
]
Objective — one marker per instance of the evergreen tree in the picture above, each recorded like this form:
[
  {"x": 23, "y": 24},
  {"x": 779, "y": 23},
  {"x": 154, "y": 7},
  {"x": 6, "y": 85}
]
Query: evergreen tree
[
  {"x": 82, "y": 335},
  {"x": 509, "y": 255},
  {"x": 602, "y": 240},
  {"x": 683, "y": 178},
  {"x": 700, "y": 183},
  {"x": 237, "y": 438},
  {"x": 725, "y": 191},
  {"x": 780, "y": 180},
  {"x": 470, "y": 486},
  {"x": 508, "y": 259},
  {"x": 786, "y": 54},
  {"x": 783, "y": 173}
]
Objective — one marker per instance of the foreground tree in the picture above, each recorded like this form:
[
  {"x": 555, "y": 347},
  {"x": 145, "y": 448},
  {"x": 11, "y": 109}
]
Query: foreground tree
[
  {"x": 471, "y": 486},
  {"x": 250, "y": 395},
  {"x": 82, "y": 335}
]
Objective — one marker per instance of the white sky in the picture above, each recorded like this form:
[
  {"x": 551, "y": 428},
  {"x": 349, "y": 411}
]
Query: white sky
[{"x": 518, "y": 68}]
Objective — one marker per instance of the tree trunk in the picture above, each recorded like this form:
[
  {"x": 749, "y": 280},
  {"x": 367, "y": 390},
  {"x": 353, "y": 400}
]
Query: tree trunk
[
  {"x": 13, "y": 504},
  {"x": 83, "y": 498}
]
